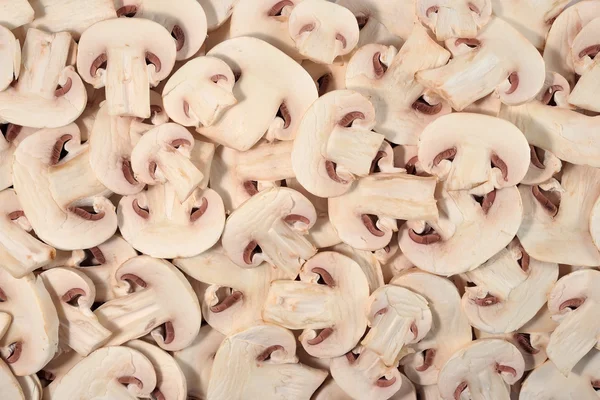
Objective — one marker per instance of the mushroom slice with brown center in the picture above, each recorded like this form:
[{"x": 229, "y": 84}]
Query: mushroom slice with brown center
[
  {"x": 542, "y": 167},
  {"x": 486, "y": 368},
  {"x": 367, "y": 261},
  {"x": 266, "y": 367},
  {"x": 584, "y": 50},
  {"x": 327, "y": 77},
  {"x": 531, "y": 345},
  {"x": 399, "y": 100},
  {"x": 454, "y": 18},
  {"x": 10, "y": 57},
  {"x": 500, "y": 60},
  {"x": 331, "y": 313},
  {"x": 14, "y": 13},
  {"x": 166, "y": 300}
]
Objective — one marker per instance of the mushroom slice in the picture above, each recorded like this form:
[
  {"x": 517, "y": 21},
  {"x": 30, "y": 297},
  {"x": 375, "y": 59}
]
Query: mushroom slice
[
  {"x": 235, "y": 297},
  {"x": 57, "y": 368},
  {"x": 10, "y": 60},
  {"x": 11, "y": 137},
  {"x": 499, "y": 59},
  {"x": 32, "y": 337},
  {"x": 55, "y": 92},
  {"x": 185, "y": 20},
  {"x": 510, "y": 288},
  {"x": 116, "y": 372},
  {"x": 445, "y": 247},
  {"x": 365, "y": 217},
  {"x": 573, "y": 304},
  {"x": 170, "y": 381},
  {"x": 266, "y": 367},
  {"x": 368, "y": 263},
  {"x": 335, "y": 143},
  {"x": 217, "y": 12},
  {"x": 61, "y": 197},
  {"x": 331, "y": 313},
  {"x": 327, "y": 77},
  {"x": 583, "y": 51},
  {"x": 31, "y": 387},
  {"x": 270, "y": 227},
  {"x": 397, "y": 317},
  {"x": 450, "y": 329},
  {"x": 474, "y": 152},
  {"x": 272, "y": 90},
  {"x": 199, "y": 92},
  {"x": 9, "y": 384},
  {"x": 73, "y": 294},
  {"x": 330, "y": 390},
  {"x": 392, "y": 261},
  {"x": 485, "y": 368},
  {"x": 386, "y": 78},
  {"x": 109, "y": 54},
  {"x": 556, "y": 218},
  {"x": 454, "y": 18},
  {"x": 155, "y": 223},
  {"x": 14, "y": 13},
  {"x": 165, "y": 300},
  {"x": 20, "y": 252},
  {"x": 531, "y": 345},
  {"x": 542, "y": 167},
  {"x": 238, "y": 175},
  {"x": 322, "y": 30}
]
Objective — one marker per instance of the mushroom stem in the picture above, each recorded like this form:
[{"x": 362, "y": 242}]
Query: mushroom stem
[
  {"x": 353, "y": 148},
  {"x": 499, "y": 277},
  {"x": 284, "y": 244},
  {"x": 370, "y": 366},
  {"x": 207, "y": 102},
  {"x": 84, "y": 336},
  {"x": 269, "y": 162},
  {"x": 179, "y": 171},
  {"x": 487, "y": 385}
]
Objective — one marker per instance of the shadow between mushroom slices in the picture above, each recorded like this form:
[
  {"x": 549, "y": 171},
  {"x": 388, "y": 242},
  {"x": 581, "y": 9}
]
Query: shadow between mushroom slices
[
  {"x": 327, "y": 77},
  {"x": 455, "y": 18},
  {"x": 10, "y": 57},
  {"x": 14, "y": 13},
  {"x": 10, "y": 384}
]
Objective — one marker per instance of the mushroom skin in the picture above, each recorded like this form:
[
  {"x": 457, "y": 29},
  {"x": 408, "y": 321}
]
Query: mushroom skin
[
  {"x": 217, "y": 12},
  {"x": 454, "y": 18},
  {"x": 10, "y": 60},
  {"x": 586, "y": 67},
  {"x": 14, "y": 13}
]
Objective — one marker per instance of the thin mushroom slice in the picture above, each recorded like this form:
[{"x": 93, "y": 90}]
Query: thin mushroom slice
[
  {"x": 266, "y": 367},
  {"x": 331, "y": 313},
  {"x": 327, "y": 77},
  {"x": 31, "y": 387},
  {"x": 15, "y": 13},
  {"x": 532, "y": 345},
  {"x": 542, "y": 167},
  {"x": 11, "y": 137},
  {"x": 217, "y": 12},
  {"x": 454, "y": 18},
  {"x": 584, "y": 49},
  {"x": 10, "y": 60},
  {"x": 368, "y": 263},
  {"x": 9, "y": 384}
]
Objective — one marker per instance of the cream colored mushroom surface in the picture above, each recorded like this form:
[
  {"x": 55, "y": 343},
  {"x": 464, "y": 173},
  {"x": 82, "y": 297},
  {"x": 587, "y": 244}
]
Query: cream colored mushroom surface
[
  {"x": 9, "y": 385},
  {"x": 10, "y": 138},
  {"x": 110, "y": 55},
  {"x": 217, "y": 12},
  {"x": 367, "y": 261},
  {"x": 260, "y": 362},
  {"x": 331, "y": 313},
  {"x": 14, "y": 13},
  {"x": 386, "y": 77},
  {"x": 272, "y": 90},
  {"x": 327, "y": 77},
  {"x": 31, "y": 387},
  {"x": 10, "y": 60},
  {"x": 164, "y": 305},
  {"x": 499, "y": 59},
  {"x": 46, "y": 84},
  {"x": 583, "y": 51},
  {"x": 454, "y": 18},
  {"x": 484, "y": 369},
  {"x": 531, "y": 345}
]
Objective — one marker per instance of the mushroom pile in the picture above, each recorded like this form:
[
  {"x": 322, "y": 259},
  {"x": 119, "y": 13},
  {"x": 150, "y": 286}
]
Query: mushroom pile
[{"x": 299, "y": 199}]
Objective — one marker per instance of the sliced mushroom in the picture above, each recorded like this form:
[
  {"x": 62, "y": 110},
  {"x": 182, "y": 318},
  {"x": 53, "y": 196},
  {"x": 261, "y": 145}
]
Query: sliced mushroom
[
  {"x": 57, "y": 368},
  {"x": 583, "y": 51},
  {"x": 331, "y": 314},
  {"x": 166, "y": 306},
  {"x": 31, "y": 386},
  {"x": 488, "y": 105},
  {"x": 542, "y": 167},
  {"x": 14, "y": 13},
  {"x": 386, "y": 77},
  {"x": 499, "y": 59},
  {"x": 454, "y": 18},
  {"x": 110, "y": 55},
  {"x": 367, "y": 262},
  {"x": 392, "y": 261},
  {"x": 217, "y": 12},
  {"x": 327, "y": 77},
  {"x": 9, "y": 385},
  {"x": 531, "y": 345},
  {"x": 11, "y": 137},
  {"x": 10, "y": 60}
]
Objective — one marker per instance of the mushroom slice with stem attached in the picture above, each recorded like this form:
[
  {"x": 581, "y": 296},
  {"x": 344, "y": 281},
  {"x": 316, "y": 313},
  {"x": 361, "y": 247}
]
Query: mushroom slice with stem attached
[
  {"x": 499, "y": 59},
  {"x": 266, "y": 367},
  {"x": 54, "y": 91},
  {"x": 454, "y": 18},
  {"x": 272, "y": 90},
  {"x": 531, "y": 345},
  {"x": 366, "y": 260},
  {"x": 331, "y": 313},
  {"x": 73, "y": 294},
  {"x": 14, "y": 13},
  {"x": 11, "y": 137},
  {"x": 9, "y": 385},
  {"x": 327, "y": 77},
  {"x": 322, "y": 30},
  {"x": 60, "y": 195},
  {"x": 110, "y": 55},
  {"x": 217, "y": 12},
  {"x": 365, "y": 217},
  {"x": 484, "y": 369},
  {"x": 165, "y": 305},
  {"x": 10, "y": 57},
  {"x": 386, "y": 77},
  {"x": 270, "y": 227},
  {"x": 335, "y": 143},
  {"x": 542, "y": 166},
  {"x": 584, "y": 49}
]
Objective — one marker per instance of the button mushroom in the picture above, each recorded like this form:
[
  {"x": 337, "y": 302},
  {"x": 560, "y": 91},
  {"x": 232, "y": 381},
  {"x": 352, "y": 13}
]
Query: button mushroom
[
  {"x": 11, "y": 137},
  {"x": 454, "y": 18},
  {"x": 327, "y": 77},
  {"x": 217, "y": 12},
  {"x": 583, "y": 51},
  {"x": 9, "y": 385},
  {"x": 10, "y": 62},
  {"x": 532, "y": 345},
  {"x": 14, "y": 13}
]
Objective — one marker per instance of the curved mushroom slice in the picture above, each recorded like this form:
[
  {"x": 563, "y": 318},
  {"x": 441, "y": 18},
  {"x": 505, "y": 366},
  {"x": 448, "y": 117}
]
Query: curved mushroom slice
[
  {"x": 165, "y": 300},
  {"x": 56, "y": 369},
  {"x": 322, "y": 30},
  {"x": 474, "y": 152},
  {"x": 531, "y": 345},
  {"x": 445, "y": 247},
  {"x": 154, "y": 222},
  {"x": 266, "y": 367},
  {"x": 199, "y": 92},
  {"x": 485, "y": 368},
  {"x": 116, "y": 372},
  {"x": 331, "y": 314},
  {"x": 73, "y": 294},
  {"x": 10, "y": 57},
  {"x": 454, "y": 18},
  {"x": 330, "y": 390},
  {"x": 386, "y": 77},
  {"x": 14, "y": 13},
  {"x": 335, "y": 143},
  {"x": 170, "y": 381},
  {"x": 217, "y": 12},
  {"x": 428, "y": 392},
  {"x": 11, "y": 137},
  {"x": 238, "y": 175},
  {"x": 499, "y": 59},
  {"x": 272, "y": 95},
  {"x": 393, "y": 261},
  {"x": 327, "y": 77},
  {"x": 367, "y": 262},
  {"x": 450, "y": 329},
  {"x": 235, "y": 297},
  {"x": 270, "y": 227},
  {"x": 46, "y": 84},
  {"x": 185, "y": 20},
  {"x": 510, "y": 288},
  {"x": 488, "y": 105},
  {"x": 542, "y": 167},
  {"x": 31, "y": 386},
  {"x": 583, "y": 51},
  {"x": 196, "y": 361},
  {"x": 9, "y": 385},
  {"x": 110, "y": 55},
  {"x": 61, "y": 197},
  {"x": 556, "y": 218},
  {"x": 85, "y": 122}
]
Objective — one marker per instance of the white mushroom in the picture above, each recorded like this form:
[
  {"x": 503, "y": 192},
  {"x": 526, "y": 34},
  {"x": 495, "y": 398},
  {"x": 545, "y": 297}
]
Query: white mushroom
[
  {"x": 14, "y": 13},
  {"x": 583, "y": 52},
  {"x": 367, "y": 262},
  {"x": 31, "y": 387},
  {"x": 10, "y": 60},
  {"x": 327, "y": 77},
  {"x": 531, "y": 345},
  {"x": 9, "y": 385},
  {"x": 11, "y": 137},
  {"x": 217, "y": 12},
  {"x": 454, "y": 18}
]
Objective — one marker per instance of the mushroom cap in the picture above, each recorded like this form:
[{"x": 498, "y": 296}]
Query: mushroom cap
[
  {"x": 217, "y": 12},
  {"x": 399, "y": 17},
  {"x": 484, "y": 151},
  {"x": 10, "y": 60},
  {"x": 454, "y": 18},
  {"x": 270, "y": 82},
  {"x": 9, "y": 384}
]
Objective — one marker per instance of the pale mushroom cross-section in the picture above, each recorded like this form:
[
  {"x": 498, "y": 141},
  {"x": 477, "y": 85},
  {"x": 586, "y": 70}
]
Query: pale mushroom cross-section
[{"x": 454, "y": 18}]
